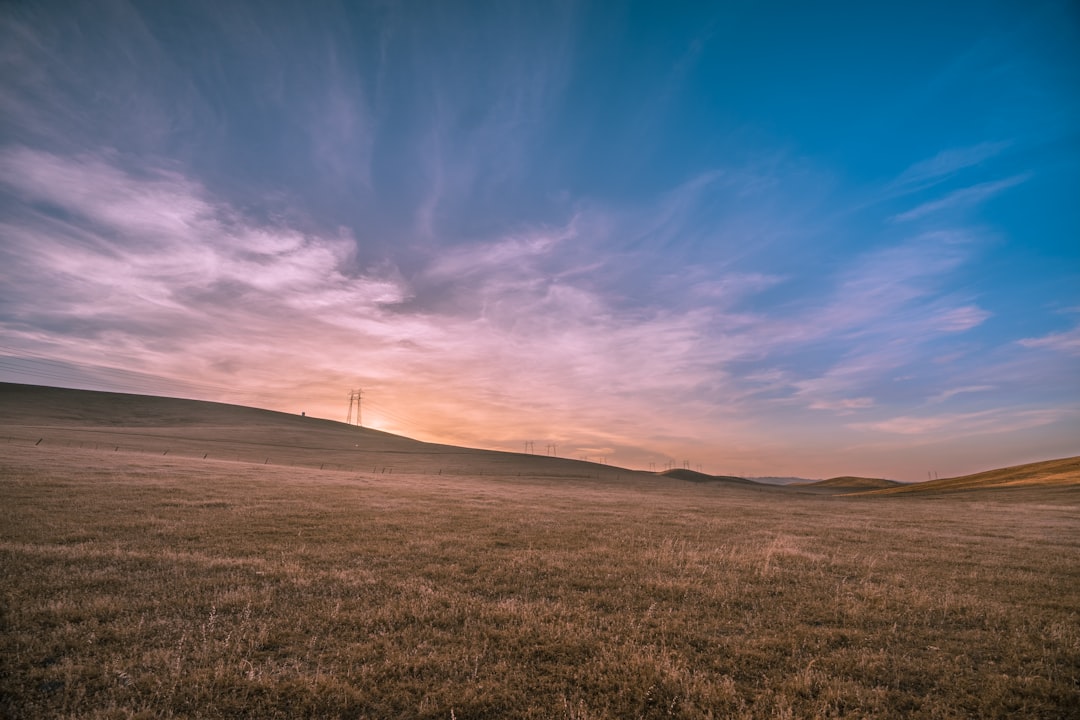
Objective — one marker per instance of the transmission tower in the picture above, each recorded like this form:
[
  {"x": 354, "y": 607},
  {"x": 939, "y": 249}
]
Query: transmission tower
[{"x": 354, "y": 395}]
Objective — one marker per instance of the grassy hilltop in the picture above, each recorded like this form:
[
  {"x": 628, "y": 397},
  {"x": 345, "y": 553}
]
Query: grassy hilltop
[
  {"x": 848, "y": 482},
  {"x": 142, "y": 579}
]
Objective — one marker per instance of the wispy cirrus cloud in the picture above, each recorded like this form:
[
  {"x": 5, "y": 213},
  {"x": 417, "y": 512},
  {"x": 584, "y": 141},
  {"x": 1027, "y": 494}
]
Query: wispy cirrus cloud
[
  {"x": 961, "y": 318},
  {"x": 1067, "y": 342},
  {"x": 963, "y": 198},
  {"x": 886, "y": 313},
  {"x": 945, "y": 165},
  {"x": 953, "y": 392},
  {"x": 153, "y": 250},
  {"x": 900, "y": 290},
  {"x": 940, "y": 427},
  {"x": 843, "y": 405}
]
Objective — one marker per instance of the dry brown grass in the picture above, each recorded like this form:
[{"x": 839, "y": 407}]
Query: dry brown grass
[{"x": 143, "y": 585}]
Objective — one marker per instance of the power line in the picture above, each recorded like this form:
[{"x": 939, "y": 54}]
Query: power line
[
  {"x": 397, "y": 416},
  {"x": 36, "y": 365}
]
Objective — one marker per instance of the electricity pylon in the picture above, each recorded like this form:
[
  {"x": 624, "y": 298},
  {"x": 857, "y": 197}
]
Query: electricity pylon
[{"x": 354, "y": 395}]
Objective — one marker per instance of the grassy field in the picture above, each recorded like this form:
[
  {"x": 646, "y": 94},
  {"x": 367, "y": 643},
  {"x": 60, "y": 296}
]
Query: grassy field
[
  {"x": 137, "y": 585},
  {"x": 165, "y": 558}
]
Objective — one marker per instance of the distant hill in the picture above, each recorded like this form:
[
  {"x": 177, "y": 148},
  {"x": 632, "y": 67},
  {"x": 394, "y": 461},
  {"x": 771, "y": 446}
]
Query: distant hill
[
  {"x": 781, "y": 480},
  {"x": 698, "y": 477},
  {"x": 850, "y": 482},
  {"x": 1062, "y": 473}
]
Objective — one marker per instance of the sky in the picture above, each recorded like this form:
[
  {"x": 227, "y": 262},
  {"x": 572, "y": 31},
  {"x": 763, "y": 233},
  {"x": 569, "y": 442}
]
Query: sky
[{"x": 753, "y": 238}]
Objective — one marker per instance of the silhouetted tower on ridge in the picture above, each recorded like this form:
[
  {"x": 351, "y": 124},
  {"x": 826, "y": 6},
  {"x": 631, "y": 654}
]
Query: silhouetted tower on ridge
[{"x": 354, "y": 395}]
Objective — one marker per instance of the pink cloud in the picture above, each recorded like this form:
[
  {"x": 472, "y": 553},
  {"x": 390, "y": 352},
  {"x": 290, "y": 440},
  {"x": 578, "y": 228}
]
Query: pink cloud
[
  {"x": 1067, "y": 342},
  {"x": 961, "y": 424}
]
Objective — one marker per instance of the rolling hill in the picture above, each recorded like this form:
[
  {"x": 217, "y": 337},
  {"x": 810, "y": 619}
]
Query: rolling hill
[
  {"x": 1061, "y": 473},
  {"x": 61, "y": 417}
]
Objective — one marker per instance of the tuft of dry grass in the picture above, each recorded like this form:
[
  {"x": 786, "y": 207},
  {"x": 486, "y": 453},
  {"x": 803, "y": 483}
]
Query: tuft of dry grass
[{"x": 137, "y": 585}]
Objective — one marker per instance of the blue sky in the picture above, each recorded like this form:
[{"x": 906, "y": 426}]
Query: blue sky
[{"x": 763, "y": 238}]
